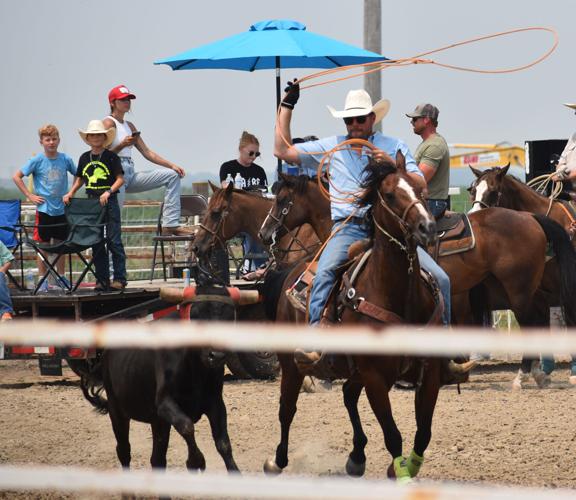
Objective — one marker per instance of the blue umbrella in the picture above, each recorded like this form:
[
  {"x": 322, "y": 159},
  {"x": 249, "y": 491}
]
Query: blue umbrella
[{"x": 272, "y": 44}]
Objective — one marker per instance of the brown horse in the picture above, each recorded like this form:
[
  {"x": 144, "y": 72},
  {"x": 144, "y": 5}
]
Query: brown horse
[
  {"x": 508, "y": 258},
  {"x": 232, "y": 211},
  {"x": 390, "y": 284},
  {"x": 494, "y": 188}
]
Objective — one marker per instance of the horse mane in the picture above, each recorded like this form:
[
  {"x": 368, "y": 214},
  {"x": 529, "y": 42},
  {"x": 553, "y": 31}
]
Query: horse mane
[
  {"x": 375, "y": 174},
  {"x": 297, "y": 183}
]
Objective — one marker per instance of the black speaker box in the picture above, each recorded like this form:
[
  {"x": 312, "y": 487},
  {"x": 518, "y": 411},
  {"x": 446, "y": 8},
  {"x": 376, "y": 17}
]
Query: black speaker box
[{"x": 542, "y": 156}]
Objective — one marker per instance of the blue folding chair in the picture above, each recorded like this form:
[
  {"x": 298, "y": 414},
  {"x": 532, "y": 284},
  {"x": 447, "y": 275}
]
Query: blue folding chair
[{"x": 11, "y": 234}]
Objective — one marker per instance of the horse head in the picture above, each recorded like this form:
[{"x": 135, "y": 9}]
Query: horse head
[
  {"x": 290, "y": 208},
  {"x": 215, "y": 228},
  {"x": 398, "y": 208},
  {"x": 486, "y": 190}
]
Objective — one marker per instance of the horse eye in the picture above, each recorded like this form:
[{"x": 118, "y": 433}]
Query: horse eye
[{"x": 389, "y": 196}]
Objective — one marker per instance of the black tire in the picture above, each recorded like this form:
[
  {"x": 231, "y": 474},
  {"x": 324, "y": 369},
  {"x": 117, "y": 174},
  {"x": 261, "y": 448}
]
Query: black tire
[
  {"x": 236, "y": 367},
  {"x": 261, "y": 365}
]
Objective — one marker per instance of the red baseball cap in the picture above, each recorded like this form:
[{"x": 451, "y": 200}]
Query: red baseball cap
[{"x": 120, "y": 92}]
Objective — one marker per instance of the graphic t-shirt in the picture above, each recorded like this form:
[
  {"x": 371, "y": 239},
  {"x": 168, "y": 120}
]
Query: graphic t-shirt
[
  {"x": 99, "y": 171},
  {"x": 254, "y": 175},
  {"x": 50, "y": 177}
]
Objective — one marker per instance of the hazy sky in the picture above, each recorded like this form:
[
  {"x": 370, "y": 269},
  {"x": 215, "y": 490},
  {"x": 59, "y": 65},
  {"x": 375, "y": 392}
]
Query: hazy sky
[{"x": 60, "y": 58}]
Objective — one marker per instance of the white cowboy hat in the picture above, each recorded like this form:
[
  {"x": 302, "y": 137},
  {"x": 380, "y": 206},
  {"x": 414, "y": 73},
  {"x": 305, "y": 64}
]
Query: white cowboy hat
[
  {"x": 570, "y": 105},
  {"x": 97, "y": 127},
  {"x": 359, "y": 103}
]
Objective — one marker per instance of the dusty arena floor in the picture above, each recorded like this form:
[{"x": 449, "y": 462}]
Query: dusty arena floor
[{"x": 486, "y": 434}]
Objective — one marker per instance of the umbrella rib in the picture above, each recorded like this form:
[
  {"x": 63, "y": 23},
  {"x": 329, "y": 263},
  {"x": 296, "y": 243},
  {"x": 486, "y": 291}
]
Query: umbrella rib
[
  {"x": 336, "y": 63},
  {"x": 253, "y": 67},
  {"x": 186, "y": 63}
]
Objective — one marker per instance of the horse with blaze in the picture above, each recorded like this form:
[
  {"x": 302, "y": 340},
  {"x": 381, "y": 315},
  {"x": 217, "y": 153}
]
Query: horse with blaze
[
  {"x": 166, "y": 388},
  {"x": 390, "y": 282}
]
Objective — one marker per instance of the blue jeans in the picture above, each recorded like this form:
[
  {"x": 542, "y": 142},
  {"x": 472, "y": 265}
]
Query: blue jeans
[
  {"x": 437, "y": 207},
  {"x": 5, "y": 299},
  {"x": 115, "y": 247},
  {"x": 335, "y": 253},
  {"x": 138, "y": 182},
  {"x": 429, "y": 264},
  {"x": 250, "y": 245},
  {"x": 548, "y": 364}
]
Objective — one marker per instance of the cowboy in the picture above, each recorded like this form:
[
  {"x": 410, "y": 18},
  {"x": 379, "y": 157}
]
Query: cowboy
[
  {"x": 346, "y": 176},
  {"x": 566, "y": 167},
  {"x": 432, "y": 157}
]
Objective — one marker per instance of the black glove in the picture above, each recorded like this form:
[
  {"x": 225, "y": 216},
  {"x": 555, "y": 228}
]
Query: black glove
[{"x": 292, "y": 95}]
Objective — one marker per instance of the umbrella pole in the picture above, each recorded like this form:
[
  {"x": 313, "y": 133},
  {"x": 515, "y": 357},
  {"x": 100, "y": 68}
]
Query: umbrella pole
[{"x": 279, "y": 166}]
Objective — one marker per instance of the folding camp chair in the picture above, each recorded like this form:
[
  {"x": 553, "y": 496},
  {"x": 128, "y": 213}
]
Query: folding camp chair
[
  {"x": 86, "y": 220},
  {"x": 10, "y": 234},
  {"x": 191, "y": 205}
]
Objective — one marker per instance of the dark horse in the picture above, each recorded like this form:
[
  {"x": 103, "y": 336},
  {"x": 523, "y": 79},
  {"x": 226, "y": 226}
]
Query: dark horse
[
  {"x": 390, "y": 283},
  {"x": 232, "y": 211},
  {"x": 165, "y": 388},
  {"x": 508, "y": 258}
]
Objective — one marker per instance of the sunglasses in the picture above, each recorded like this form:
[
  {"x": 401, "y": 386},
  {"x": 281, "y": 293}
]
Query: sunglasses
[
  {"x": 359, "y": 119},
  {"x": 253, "y": 153},
  {"x": 415, "y": 119}
]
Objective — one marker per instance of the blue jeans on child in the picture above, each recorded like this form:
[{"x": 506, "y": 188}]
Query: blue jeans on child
[
  {"x": 336, "y": 253},
  {"x": 115, "y": 246},
  {"x": 251, "y": 246},
  {"x": 5, "y": 299}
]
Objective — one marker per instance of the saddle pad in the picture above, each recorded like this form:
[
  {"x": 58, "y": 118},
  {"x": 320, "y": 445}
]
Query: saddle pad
[{"x": 458, "y": 237}]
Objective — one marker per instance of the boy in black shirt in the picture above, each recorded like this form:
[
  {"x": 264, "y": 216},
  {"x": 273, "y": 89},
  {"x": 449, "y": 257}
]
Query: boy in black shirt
[{"x": 101, "y": 171}]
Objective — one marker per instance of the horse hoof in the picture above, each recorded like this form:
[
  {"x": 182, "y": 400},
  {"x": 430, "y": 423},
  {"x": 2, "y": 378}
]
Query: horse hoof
[
  {"x": 353, "y": 469},
  {"x": 271, "y": 468},
  {"x": 308, "y": 384}
]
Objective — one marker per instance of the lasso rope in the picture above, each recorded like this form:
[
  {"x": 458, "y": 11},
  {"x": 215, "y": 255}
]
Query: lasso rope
[{"x": 417, "y": 59}]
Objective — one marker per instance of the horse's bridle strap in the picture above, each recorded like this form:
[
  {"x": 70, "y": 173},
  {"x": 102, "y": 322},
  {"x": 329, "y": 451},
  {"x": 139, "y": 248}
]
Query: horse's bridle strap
[{"x": 378, "y": 313}]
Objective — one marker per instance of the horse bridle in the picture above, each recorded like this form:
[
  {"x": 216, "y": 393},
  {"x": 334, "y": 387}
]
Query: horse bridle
[
  {"x": 214, "y": 232},
  {"x": 401, "y": 220},
  {"x": 483, "y": 204}
]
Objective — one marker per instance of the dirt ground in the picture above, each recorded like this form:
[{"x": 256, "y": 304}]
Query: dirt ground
[{"x": 486, "y": 434}]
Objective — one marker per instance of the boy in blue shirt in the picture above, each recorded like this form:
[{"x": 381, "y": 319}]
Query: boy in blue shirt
[{"x": 50, "y": 175}]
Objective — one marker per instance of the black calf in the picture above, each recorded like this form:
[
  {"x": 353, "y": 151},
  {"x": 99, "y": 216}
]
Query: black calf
[{"x": 168, "y": 387}]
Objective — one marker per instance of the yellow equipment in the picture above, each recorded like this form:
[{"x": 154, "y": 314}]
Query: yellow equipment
[{"x": 488, "y": 155}]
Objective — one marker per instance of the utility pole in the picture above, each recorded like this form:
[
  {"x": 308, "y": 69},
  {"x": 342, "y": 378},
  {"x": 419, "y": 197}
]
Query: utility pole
[{"x": 373, "y": 42}]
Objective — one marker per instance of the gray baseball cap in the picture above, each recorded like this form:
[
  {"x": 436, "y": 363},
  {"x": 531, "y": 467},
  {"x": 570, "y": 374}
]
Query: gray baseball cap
[{"x": 424, "y": 110}]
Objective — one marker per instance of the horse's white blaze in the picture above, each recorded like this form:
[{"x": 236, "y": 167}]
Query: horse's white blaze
[
  {"x": 481, "y": 188},
  {"x": 403, "y": 184}
]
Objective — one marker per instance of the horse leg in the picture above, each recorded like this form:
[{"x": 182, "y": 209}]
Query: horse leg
[
  {"x": 377, "y": 390},
  {"x": 289, "y": 390},
  {"x": 356, "y": 463},
  {"x": 160, "y": 440},
  {"x": 424, "y": 404},
  {"x": 218, "y": 423},
  {"x": 169, "y": 410}
]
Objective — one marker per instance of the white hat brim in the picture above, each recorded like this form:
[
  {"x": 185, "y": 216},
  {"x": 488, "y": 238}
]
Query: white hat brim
[
  {"x": 570, "y": 105},
  {"x": 380, "y": 109}
]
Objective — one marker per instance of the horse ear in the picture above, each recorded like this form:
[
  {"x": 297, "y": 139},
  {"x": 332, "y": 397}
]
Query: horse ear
[
  {"x": 476, "y": 172},
  {"x": 504, "y": 170},
  {"x": 229, "y": 188},
  {"x": 400, "y": 161},
  {"x": 214, "y": 187}
]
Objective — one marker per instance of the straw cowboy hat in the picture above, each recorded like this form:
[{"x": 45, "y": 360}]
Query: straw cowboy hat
[
  {"x": 97, "y": 127},
  {"x": 570, "y": 105},
  {"x": 359, "y": 103}
]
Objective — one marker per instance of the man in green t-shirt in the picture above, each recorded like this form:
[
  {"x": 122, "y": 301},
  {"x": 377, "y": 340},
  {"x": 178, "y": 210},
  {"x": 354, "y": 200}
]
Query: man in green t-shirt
[{"x": 432, "y": 157}]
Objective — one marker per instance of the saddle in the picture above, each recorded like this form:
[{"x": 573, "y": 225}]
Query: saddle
[{"x": 455, "y": 234}]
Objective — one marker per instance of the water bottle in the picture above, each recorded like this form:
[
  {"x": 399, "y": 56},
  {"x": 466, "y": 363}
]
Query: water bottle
[
  {"x": 30, "y": 281},
  {"x": 229, "y": 179},
  {"x": 239, "y": 181},
  {"x": 186, "y": 277}
]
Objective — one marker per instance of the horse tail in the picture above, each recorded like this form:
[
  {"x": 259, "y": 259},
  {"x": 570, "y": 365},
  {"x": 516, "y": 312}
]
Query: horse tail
[
  {"x": 92, "y": 385},
  {"x": 566, "y": 258}
]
